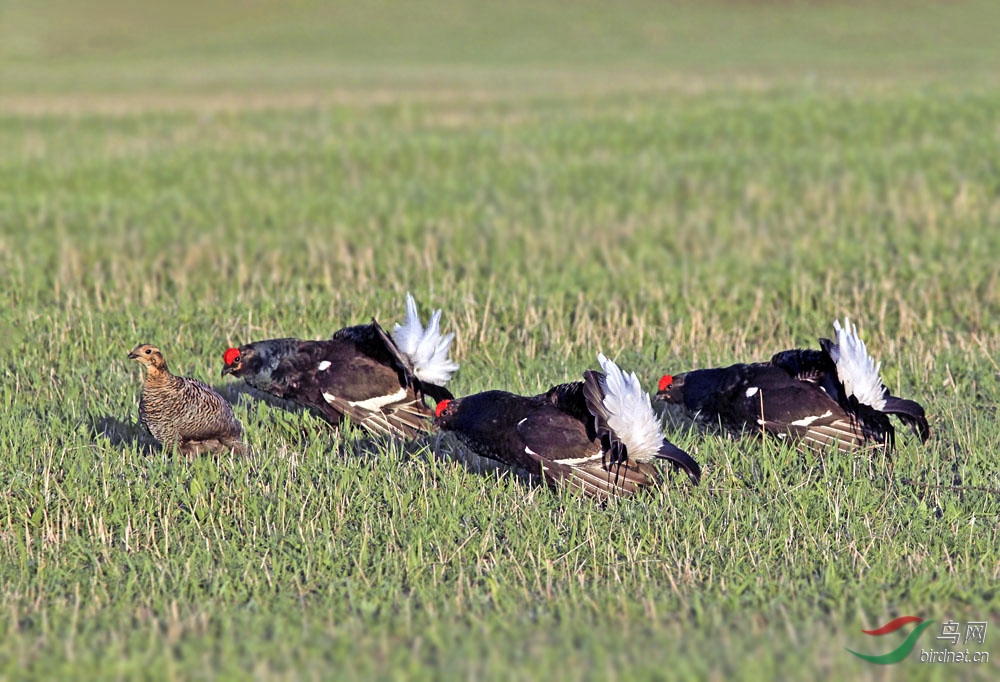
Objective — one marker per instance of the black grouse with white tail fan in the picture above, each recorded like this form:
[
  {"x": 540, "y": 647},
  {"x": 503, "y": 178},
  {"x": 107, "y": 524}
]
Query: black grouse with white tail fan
[
  {"x": 818, "y": 398},
  {"x": 379, "y": 381},
  {"x": 599, "y": 436}
]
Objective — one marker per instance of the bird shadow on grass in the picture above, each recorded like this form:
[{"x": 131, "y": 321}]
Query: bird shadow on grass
[
  {"x": 234, "y": 392},
  {"x": 288, "y": 418},
  {"x": 122, "y": 434},
  {"x": 128, "y": 434},
  {"x": 447, "y": 448},
  {"x": 350, "y": 441},
  {"x": 675, "y": 418},
  {"x": 364, "y": 447}
]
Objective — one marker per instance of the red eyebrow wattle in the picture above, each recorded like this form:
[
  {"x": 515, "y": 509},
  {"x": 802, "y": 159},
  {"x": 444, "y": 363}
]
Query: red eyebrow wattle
[{"x": 441, "y": 407}]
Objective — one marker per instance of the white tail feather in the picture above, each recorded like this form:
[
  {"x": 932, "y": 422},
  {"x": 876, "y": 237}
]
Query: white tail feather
[
  {"x": 857, "y": 370},
  {"x": 630, "y": 412},
  {"x": 426, "y": 348}
]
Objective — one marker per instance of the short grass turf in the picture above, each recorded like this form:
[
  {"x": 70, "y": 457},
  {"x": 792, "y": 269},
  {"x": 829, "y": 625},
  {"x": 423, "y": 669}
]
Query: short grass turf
[{"x": 654, "y": 182}]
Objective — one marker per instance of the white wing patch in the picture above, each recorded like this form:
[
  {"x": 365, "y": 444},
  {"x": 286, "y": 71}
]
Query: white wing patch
[
  {"x": 630, "y": 414},
  {"x": 426, "y": 348},
  {"x": 324, "y": 365},
  {"x": 377, "y": 403},
  {"x": 857, "y": 370},
  {"x": 330, "y": 398},
  {"x": 806, "y": 421},
  {"x": 579, "y": 460},
  {"x": 752, "y": 391}
]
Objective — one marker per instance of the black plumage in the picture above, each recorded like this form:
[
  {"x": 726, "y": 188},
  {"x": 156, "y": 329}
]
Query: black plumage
[
  {"x": 562, "y": 435},
  {"x": 818, "y": 367},
  {"x": 360, "y": 372},
  {"x": 799, "y": 395}
]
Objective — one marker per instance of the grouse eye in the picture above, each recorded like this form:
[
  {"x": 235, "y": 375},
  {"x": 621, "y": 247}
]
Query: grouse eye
[
  {"x": 148, "y": 351},
  {"x": 236, "y": 359}
]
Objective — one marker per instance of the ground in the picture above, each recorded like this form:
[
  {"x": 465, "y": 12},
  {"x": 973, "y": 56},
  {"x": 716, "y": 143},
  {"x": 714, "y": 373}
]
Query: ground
[{"x": 676, "y": 185}]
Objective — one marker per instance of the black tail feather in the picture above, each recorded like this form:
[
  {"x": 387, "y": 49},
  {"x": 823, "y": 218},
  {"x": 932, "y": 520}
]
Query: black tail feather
[
  {"x": 910, "y": 413},
  {"x": 593, "y": 396},
  {"x": 438, "y": 393},
  {"x": 680, "y": 460}
]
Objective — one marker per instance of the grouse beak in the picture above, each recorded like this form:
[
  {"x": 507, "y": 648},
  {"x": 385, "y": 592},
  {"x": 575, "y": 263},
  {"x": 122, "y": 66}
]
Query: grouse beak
[
  {"x": 229, "y": 369},
  {"x": 133, "y": 355}
]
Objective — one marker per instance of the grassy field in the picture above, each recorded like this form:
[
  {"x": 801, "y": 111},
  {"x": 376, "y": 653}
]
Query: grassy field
[{"x": 676, "y": 185}]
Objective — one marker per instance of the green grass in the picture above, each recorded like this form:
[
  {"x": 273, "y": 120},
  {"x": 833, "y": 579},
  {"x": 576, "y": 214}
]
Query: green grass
[{"x": 675, "y": 186}]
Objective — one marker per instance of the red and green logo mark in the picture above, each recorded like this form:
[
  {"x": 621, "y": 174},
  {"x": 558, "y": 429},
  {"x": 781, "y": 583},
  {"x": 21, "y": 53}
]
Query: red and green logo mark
[{"x": 904, "y": 649}]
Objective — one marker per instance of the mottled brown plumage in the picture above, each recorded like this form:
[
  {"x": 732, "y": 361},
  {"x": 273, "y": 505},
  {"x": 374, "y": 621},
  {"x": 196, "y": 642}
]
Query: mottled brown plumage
[{"x": 183, "y": 412}]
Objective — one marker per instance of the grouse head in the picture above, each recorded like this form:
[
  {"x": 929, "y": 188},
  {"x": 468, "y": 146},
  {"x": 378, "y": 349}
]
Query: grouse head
[
  {"x": 449, "y": 416},
  {"x": 670, "y": 389},
  {"x": 442, "y": 408},
  {"x": 232, "y": 361},
  {"x": 148, "y": 356}
]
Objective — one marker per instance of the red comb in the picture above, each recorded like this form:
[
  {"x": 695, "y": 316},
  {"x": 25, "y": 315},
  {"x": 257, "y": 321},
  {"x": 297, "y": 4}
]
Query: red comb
[
  {"x": 665, "y": 381},
  {"x": 441, "y": 407},
  {"x": 230, "y": 355}
]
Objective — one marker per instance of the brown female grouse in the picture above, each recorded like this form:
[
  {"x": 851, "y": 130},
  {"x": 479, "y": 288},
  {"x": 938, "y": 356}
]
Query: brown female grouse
[
  {"x": 377, "y": 380},
  {"x": 816, "y": 398},
  {"x": 599, "y": 435},
  {"x": 184, "y": 412}
]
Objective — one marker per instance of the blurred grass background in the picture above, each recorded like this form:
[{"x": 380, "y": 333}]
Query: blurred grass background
[
  {"x": 110, "y": 46},
  {"x": 676, "y": 184}
]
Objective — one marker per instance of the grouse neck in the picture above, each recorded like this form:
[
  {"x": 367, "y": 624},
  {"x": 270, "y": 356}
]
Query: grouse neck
[{"x": 161, "y": 376}]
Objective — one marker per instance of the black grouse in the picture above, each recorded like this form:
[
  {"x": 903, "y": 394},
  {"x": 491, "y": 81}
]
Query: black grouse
[
  {"x": 817, "y": 398},
  {"x": 378, "y": 381},
  {"x": 599, "y": 436}
]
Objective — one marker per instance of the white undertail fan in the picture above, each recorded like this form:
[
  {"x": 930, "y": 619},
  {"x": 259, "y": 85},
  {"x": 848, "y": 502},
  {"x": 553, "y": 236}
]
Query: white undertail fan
[
  {"x": 629, "y": 412},
  {"x": 426, "y": 347},
  {"x": 859, "y": 373},
  {"x": 856, "y": 369}
]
